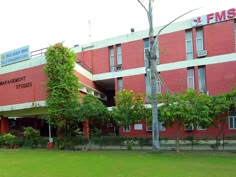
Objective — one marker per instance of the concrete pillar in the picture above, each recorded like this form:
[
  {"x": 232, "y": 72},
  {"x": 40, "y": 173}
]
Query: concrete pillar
[
  {"x": 4, "y": 125},
  {"x": 86, "y": 128}
]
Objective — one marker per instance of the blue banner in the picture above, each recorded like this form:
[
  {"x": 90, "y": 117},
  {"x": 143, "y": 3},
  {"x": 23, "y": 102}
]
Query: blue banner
[{"x": 15, "y": 56}]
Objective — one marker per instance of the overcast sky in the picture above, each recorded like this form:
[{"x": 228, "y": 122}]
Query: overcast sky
[{"x": 40, "y": 23}]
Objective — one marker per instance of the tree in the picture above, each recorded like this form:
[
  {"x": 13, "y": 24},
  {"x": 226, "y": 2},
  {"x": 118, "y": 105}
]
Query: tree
[
  {"x": 62, "y": 86},
  {"x": 219, "y": 106},
  {"x": 129, "y": 108},
  {"x": 190, "y": 108},
  {"x": 93, "y": 111}
]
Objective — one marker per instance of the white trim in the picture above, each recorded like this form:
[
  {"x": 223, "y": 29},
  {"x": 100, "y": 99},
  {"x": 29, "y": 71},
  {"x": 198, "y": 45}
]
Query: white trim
[
  {"x": 83, "y": 71},
  {"x": 123, "y": 73},
  {"x": 198, "y": 62},
  {"x": 169, "y": 66},
  {"x": 21, "y": 106},
  {"x": 32, "y": 62}
]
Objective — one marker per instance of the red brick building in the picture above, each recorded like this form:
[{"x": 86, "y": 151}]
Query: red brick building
[{"x": 199, "y": 53}]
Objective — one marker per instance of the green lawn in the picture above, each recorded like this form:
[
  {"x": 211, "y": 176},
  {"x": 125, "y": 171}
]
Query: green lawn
[{"x": 46, "y": 163}]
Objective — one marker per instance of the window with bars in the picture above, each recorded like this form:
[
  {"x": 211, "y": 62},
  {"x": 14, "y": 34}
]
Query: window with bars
[
  {"x": 199, "y": 39},
  {"x": 232, "y": 119},
  {"x": 126, "y": 128},
  {"x": 120, "y": 83},
  {"x": 201, "y": 79},
  {"x": 111, "y": 58},
  {"x": 190, "y": 78},
  {"x": 189, "y": 44},
  {"x": 146, "y": 48},
  {"x": 119, "y": 57}
]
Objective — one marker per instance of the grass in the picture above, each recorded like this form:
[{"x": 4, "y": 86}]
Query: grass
[{"x": 46, "y": 163}]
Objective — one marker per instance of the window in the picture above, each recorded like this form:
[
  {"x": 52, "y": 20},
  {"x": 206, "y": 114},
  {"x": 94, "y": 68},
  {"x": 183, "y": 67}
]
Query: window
[
  {"x": 188, "y": 127},
  {"x": 120, "y": 83},
  {"x": 199, "y": 127},
  {"x": 201, "y": 79},
  {"x": 109, "y": 125},
  {"x": 146, "y": 48},
  {"x": 111, "y": 58},
  {"x": 190, "y": 78},
  {"x": 119, "y": 57},
  {"x": 199, "y": 39},
  {"x": 189, "y": 44},
  {"x": 126, "y": 128},
  {"x": 161, "y": 127},
  {"x": 232, "y": 119}
]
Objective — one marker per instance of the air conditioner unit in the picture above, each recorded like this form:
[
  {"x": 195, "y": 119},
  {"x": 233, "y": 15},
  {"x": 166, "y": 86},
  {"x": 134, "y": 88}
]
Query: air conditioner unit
[
  {"x": 119, "y": 67},
  {"x": 201, "y": 53},
  {"x": 189, "y": 127},
  {"x": 149, "y": 128}
]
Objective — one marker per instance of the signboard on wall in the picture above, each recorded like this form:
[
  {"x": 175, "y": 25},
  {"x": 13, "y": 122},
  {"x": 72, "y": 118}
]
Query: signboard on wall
[
  {"x": 214, "y": 17},
  {"x": 138, "y": 126},
  {"x": 15, "y": 56}
]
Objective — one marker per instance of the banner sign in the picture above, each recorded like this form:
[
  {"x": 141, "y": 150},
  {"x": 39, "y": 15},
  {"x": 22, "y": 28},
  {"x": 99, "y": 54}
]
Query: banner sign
[
  {"x": 214, "y": 17},
  {"x": 15, "y": 56}
]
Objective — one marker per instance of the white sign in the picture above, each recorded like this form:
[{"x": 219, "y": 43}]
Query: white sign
[
  {"x": 15, "y": 56},
  {"x": 138, "y": 126}
]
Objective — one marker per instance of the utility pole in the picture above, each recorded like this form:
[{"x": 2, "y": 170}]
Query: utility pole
[
  {"x": 152, "y": 59},
  {"x": 153, "y": 69}
]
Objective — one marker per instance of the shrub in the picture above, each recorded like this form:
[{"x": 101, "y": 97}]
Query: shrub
[
  {"x": 31, "y": 136},
  {"x": 9, "y": 139},
  {"x": 19, "y": 141}
]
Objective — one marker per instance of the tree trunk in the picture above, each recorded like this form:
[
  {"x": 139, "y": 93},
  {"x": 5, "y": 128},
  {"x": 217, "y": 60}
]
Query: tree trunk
[{"x": 177, "y": 138}]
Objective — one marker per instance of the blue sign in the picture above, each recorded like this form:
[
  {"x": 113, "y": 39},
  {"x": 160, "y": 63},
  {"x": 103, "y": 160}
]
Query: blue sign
[{"x": 15, "y": 56}]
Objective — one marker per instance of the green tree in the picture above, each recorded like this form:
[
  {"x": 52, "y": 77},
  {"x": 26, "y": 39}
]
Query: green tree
[
  {"x": 93, "y": 111},
  {"x": 189, "y": 108},
  {"x": 219, "y": 106},
  {"x": 129, "y": 108},
  {"x": 62, "y": 86}
]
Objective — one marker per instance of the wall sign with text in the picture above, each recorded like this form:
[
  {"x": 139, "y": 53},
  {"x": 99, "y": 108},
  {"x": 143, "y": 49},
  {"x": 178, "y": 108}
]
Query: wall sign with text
[{"x": 214, "y": 17}]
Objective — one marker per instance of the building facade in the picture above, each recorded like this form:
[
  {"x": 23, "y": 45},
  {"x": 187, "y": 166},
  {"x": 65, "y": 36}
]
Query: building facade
[{"x": 198, "y": 54}]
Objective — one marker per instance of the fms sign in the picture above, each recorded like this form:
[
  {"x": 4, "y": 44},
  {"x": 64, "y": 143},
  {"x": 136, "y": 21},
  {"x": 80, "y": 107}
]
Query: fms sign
[{"x": 214, "y": 17}]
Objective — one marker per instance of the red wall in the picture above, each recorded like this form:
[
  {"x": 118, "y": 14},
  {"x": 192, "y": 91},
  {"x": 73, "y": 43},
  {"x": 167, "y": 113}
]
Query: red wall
[
  {"x": 132, "y": 54},
  {"x": 219, "y": 38},
  {"x": 176, "y": 80},
  {"x": 170, "y": 132},
  {"x": 220, "y": 77},
  {"x": 135, "y": 83},
  {"x": 97, "y": 59},
  {"x": 37, "y": 92},
  {"x": 172, "y": 47}
]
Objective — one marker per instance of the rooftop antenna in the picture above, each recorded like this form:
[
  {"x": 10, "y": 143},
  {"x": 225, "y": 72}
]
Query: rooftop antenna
[{"x": 89, "y": 25}]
